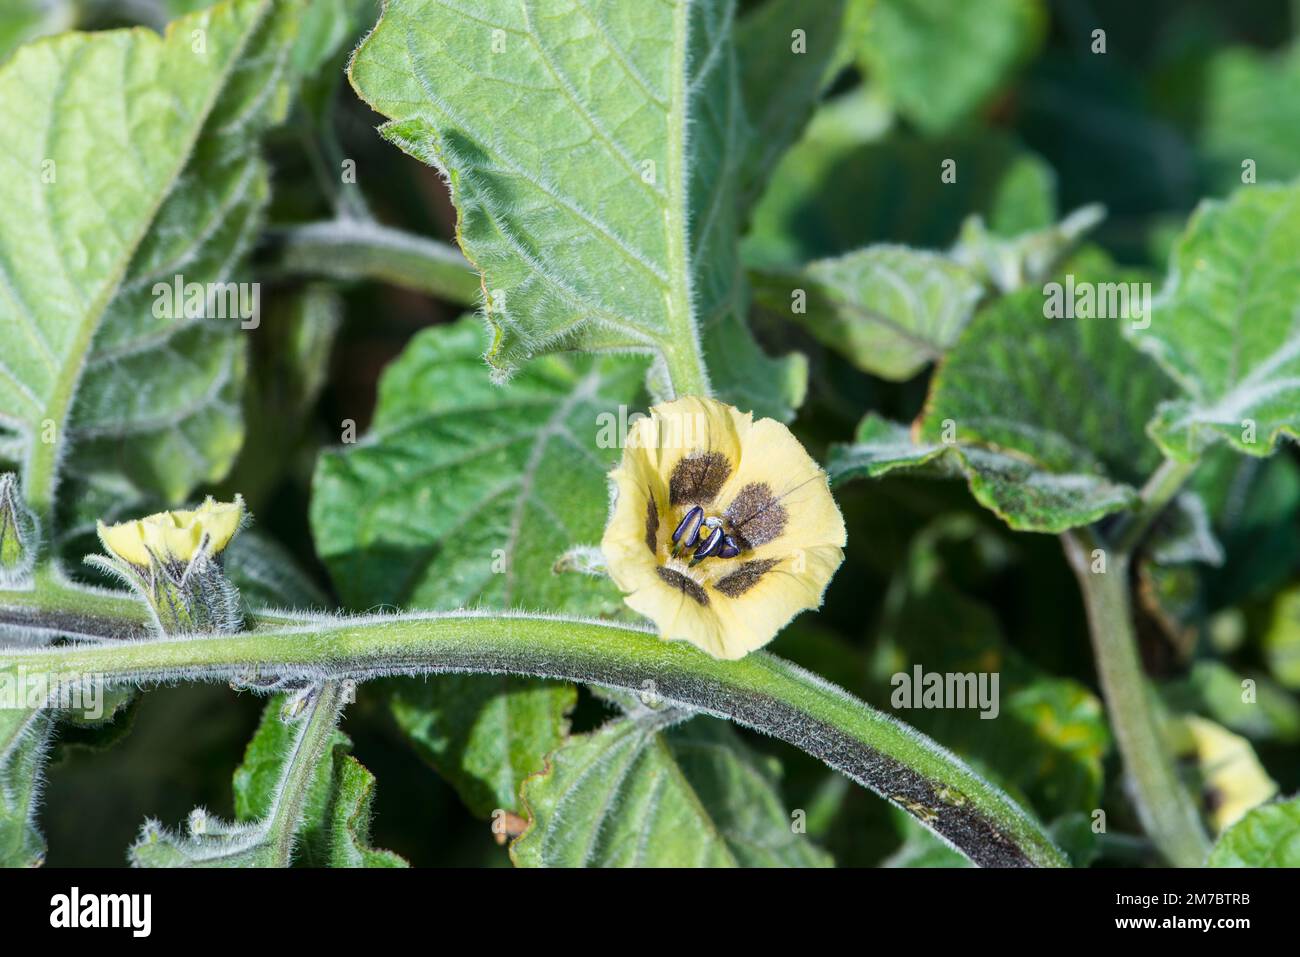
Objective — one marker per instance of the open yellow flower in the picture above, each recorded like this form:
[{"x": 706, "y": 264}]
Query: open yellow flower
[
  {"x": 722, "y": 528},
  {"x": 176, "y": 536}
]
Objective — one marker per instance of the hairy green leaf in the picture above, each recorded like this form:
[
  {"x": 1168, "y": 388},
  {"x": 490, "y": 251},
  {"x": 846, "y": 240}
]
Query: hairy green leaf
[
  {"x": 453, "y": 497},
  {"x": 335, "y": 827},
  {"x": 464, "y": 494},
  {"x": 24, "y": 740},
  {"x": 1042, "y": 416},
  {"x": 1025, "y": 496},
  {"x": 1267, "y": 836},
  {"x": 891, "y": 310},
  {"x": 484, "y": 734},
  {"x": 299, "y": 797},
  {"x": 626, "y": 795},
  {"x": 597, "y": 222},
  {"x": 116, "y": 186},
  {"x": 1226, "y": 327}
]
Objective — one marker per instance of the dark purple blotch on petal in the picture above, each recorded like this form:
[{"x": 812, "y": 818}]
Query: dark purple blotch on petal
[
  {"x": 652, "y": 525},
  {"x": 745, "y": 577},
  {"x": 697, "y": 478},
  {"x": 686, "y": 586},
  {"x": 755, "y": 515}
]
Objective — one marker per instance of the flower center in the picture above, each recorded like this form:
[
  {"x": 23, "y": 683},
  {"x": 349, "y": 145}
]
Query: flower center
[{"x": 705, "y": 534}]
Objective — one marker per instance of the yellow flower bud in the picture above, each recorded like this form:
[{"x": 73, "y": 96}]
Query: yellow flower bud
[{"x": 176, "y": 536}]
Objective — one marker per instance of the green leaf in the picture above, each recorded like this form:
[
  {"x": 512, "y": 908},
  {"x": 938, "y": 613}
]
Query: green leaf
[
  {"x": 484, "y": 734},
  {"x": 596, "y": 221},
  {"x": 329, "y": 27},
  {"x": 1043, "y": 417},
  {"x": 939, "y": 61},
  {"x": 826, "y": 197},
  {"x": 1282, "y": 638},
  {"x": 299, "y": 796},
  {"x": 1007, "y": 263},
  {"x": 24, "y": 740},
  {"x": 1025, "y": 496},
  {"x": 626, "y": 795},
  {"x": 1048, "y": 737},
  {"x": 268, "y": 576},
  {"x": 1226, "y": 327},
  {"x": 335, "y": 827},
  {"x": 451, "y": 501},
  {"x": 782, "y": 75},
  {"x": 1267, "y": 836},
  {"x": 1248, "y": 110},
  {"x": 1255, "y": 507},
  {"x": 1253, "y": 706},
  {"x": 22, "y": 21},
  {"x": 98, "y": 212},
  {"x": 288, "y": 368},
  {"x": 349, "y": 817},
  {"x": 890, "y": 310}
]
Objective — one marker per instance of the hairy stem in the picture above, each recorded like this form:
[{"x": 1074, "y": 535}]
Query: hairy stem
[
  {"x": 1166, "y": 809},
  {"x": 760, "y": 691},
  {"x": 359, "y": 249},
  {"x": 686, "y": 371},
  {"x": 1165, "y": 482},
  {"x": 309, "y": 749}
]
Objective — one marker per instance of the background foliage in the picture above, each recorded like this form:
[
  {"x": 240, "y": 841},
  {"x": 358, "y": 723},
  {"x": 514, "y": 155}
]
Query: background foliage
[{"x": 825, "y": 176}]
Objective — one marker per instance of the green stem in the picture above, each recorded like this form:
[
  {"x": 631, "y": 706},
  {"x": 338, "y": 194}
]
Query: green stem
[
  {"x": 760, "y": 691},
  {"x": 686, "y": 371},
  {"x": 1164, "y": 484},
  {"x": 308, "y": 751},
  {"x": 1166, "y": 809},
  {"x": 357, "y": 249}
]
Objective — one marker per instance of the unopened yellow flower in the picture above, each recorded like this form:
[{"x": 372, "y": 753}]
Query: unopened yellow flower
[
  {"x": 722, "y": 529},
  {"x": 174, "y": 536}
]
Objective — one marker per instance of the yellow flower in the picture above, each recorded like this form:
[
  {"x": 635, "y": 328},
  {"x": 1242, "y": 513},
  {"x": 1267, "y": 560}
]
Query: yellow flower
[
  {"x": 174, "y": 537},
  {"x": 1232, "y": 779},
  {"x": 722, "y": 528}
]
